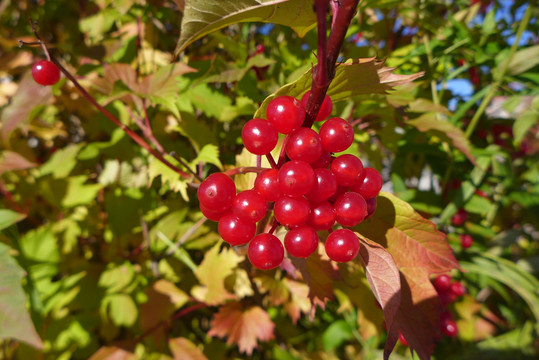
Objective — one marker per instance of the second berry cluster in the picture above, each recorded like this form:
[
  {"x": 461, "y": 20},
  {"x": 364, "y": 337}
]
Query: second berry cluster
[{"x": 309, "y": 190}]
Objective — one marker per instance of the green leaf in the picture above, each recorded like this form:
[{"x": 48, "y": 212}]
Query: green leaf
[
  {"x": 524, "y": 123},
  {"x": 121, "y": 309},
  {"x": 8, "y": 218},
  {"x": 509, "y": 274},
  {"x": 352, "y": 78},
  {"x": 336, "y": 334},
  {"x": 79, "y": 193},
  {"x": 62, "y": 162},
  {"x": 445, "y": 130},
  {"x": 203, "y": 17},
  {"x": 15, "y": 321},
  {"x": 208, "y": 154},
  {"x": 168, "y": 176},
  {"x": 522, "y": 60}
]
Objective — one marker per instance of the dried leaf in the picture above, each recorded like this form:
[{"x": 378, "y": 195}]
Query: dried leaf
[
  {"x": 243, "y": 328},
  {"x": 212, "y": 272},
  {"x": 184, "y": 349},
  {"x": 203, "y": 17},
  {"x": 419, "y": 251}
]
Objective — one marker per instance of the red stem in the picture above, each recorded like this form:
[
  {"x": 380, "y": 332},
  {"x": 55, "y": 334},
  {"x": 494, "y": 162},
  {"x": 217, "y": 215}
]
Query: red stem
[
  {"x": 133, "y": 135},
  {"x": 324, "y": 71}
]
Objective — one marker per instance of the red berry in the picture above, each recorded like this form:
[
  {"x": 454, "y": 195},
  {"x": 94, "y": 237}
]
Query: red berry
[
  {"x": 449, "y": 327},
  {"x": 45, "y": 72},
  {"x": 371, "y": 207},
  {"x": 342, "y": 245},
  {"x": 217, "y": 192},
  {"x": 285, "y": 113},
  {"x": 235, "y": 231},
  {"x": 301, "y": 242},
  {"x": 336, "y": 135},
  {"x": 324, "y": 187},
  {"x": 457, "y": 289},
  {"x": 325, "y": 109},
  {"x": 249, "y": 205},
  {"x": 466, "y": 241},
  {"x": 347, "y": 169},
  {"x": 265, "y": 252},
  {"x": 304, "y": 144},
  {"x": 322, "y": 216},
  {"x": 460, "y": 217},
  {"x": 259, "y": 137},
  {"x": 267, "y": 185},
  {"x": 350, "y": 209},
  {"x": 442, "y": 283},
  {"x": 292, "y": 212},
  {"x": 323, "y": 161},
  {"x": 211, "y": 214},
  {"x": 296, "y": 178},
  {"x": 370, "y": 184}
]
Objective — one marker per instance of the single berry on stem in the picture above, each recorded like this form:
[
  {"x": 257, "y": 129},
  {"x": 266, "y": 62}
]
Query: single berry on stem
[
  {"x": 342, "y": 245},
  {"x": 45, "y": 72},
  {"x": 265, "y": 251},
  {"x": 442, "y": 283},
  {"x": 466, "y": 241},
  {"x": 460, "y": 217},
  {"x": 296, "y": 178}
]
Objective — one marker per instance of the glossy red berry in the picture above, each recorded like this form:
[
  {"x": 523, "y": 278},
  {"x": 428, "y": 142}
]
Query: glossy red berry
[
  {"x": 371, "y": 207},
  {"x": 322, "y": 216},
  {"x": 259, "y": 137},
  {"x": 301, "y": 242},
  {"x": 45, "y": 72},
  {"x": 466, "y": 241},
  {"x": 267, "y": 185},
  {"x": 211, "y": 214},
  {"x": 324, "y": 187},
  {"x": 347, "y": 169},
  {"x": 249, "y": 205},
  {"x": 292, "y": 212},
  {"x": 449, "y": 327},
  {"x": 325, "y": 109},
  {"x": 304, "y": 144},
  {"x": 265, "y": 251},
  {"x": 296, "y": 178},
  {"x": 460, "y": 217},
  {"x": 457, "y": 289},
  {"x": 217, "y": 192},
  {"x": 336, "y": 135},
  {"x": 323, "y": 161},
  {"x": 442, "y": 283},
  {"x": 235, "y": 231},
  {"x": 342, "y": 245},
  {"x": 350, "y": 209},
  {"x": 285, "y": 113},
  {"x": 370, "y": 184}
]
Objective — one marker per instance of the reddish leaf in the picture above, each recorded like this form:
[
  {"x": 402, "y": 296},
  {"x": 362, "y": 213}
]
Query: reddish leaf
[
  {"x": 113, "y": 353},
  {"x": 10, "y": 160},
  {"x": 28, "y": 96},
  {"x": 419, "y": 251},
  {"x": 184, "y": 349},
  {"x": 383, "y": 276},
  {"x": 320, "y": 275},
  {"x": 243, "y": 328}
]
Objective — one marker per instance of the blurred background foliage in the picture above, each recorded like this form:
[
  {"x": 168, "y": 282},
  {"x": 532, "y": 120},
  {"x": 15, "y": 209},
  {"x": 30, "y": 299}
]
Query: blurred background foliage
[{"x": 101, "y": 217}]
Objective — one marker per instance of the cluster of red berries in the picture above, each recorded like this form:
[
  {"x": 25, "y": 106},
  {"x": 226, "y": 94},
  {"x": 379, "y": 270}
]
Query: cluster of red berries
[
  {"x": 310, "y": 191},
  {"x": 45, "y": 73},
  {"x": 448, "y": 291}
]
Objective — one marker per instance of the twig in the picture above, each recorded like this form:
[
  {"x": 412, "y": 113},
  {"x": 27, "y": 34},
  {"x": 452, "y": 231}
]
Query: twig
[
  {"x": 34, "y": 30},
  {"x": 186, "y": 236},
  {"x": 271, "y": 161},
  {"x": 244, "y": 170},
  {"x": 146, "y": 237},
  {"x": 185, "y": 165},
  {"x": 324, "y": 71}
]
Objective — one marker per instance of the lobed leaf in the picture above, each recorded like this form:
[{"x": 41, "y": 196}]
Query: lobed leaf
[
  {"x": 202, "y": 17},
  {"x": 184, "y": 349},
  {"x": 10, "y": 160},
  {"x": 15, "y": 321},
  {"x": 353, "y": 77},
  {"x": 419, "y": 251},
  {"x": 243, "y": 327}
]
